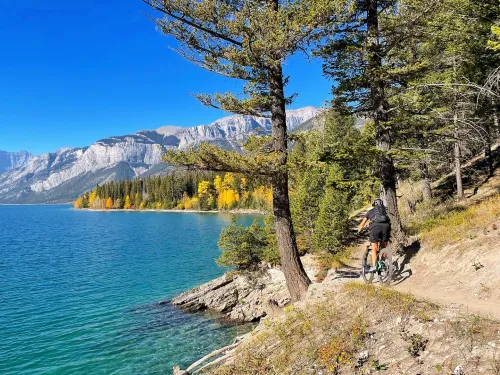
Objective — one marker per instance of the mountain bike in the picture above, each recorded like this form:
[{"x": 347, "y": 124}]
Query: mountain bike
[{"x": 384, "y": 265}]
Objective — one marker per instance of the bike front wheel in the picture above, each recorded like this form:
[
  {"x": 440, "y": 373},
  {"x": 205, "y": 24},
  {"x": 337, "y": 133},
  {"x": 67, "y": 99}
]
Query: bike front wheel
[{"x": 367, "y": 259}]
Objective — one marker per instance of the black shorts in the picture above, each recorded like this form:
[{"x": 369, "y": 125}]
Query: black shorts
[{"x": 380, "y": 232}]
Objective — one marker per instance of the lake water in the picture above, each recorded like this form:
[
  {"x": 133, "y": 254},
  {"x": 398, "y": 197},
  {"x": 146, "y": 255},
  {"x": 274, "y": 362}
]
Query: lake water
[{"x": 79, "y": 290}]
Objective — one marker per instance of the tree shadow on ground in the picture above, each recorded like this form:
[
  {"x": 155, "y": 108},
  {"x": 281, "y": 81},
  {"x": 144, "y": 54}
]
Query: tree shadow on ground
[
  {"x": 401, "y": 269},
  {"x": 347, "y": 272}
]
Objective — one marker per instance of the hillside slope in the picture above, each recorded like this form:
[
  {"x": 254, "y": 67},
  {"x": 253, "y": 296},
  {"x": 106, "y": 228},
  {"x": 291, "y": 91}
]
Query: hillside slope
[{"x": 440, "y": 316}]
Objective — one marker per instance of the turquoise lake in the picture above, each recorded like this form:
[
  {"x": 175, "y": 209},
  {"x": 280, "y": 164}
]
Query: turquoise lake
[{"x": 80, "y": 290}]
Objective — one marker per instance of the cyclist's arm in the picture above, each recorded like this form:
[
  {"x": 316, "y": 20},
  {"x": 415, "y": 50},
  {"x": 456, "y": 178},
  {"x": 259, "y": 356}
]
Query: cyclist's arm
[{"x": 362, "y": 224}]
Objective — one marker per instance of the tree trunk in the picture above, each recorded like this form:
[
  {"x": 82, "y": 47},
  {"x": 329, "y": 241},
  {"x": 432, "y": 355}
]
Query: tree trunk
[
  {"x": 496, "y": 123},
  {"x": 426, "y": 181},
  {"x": 458, "y": 164},
  {"x": 296, "y": 278},
  {"x": 379, "y": 105},
  {"x": 424, "y": 171},
  {"x": 488, "y": 155}
]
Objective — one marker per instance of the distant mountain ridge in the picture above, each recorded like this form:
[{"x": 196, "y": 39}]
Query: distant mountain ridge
[
  {"x": 60, "y": 176},
  {"x": 12, "y": 160}
]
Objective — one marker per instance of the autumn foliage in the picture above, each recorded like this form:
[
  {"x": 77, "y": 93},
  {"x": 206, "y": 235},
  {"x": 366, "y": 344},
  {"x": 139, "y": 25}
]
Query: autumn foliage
[{"x": 205, "y": 192}]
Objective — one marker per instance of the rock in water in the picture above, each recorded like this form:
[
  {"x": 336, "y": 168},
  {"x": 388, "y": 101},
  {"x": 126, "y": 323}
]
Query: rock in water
[{"x": 242, "y": 297}]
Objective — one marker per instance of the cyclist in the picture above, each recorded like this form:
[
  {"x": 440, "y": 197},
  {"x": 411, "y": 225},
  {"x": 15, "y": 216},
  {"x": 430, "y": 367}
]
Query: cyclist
[{"x": 380, "y": 228}]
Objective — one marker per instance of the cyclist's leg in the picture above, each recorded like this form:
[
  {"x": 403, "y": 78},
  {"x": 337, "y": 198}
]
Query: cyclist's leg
[
  {"x": 374, "y": 238},
  {"x": 374, "y": 253},
  {"x": 384, "y": 236}
]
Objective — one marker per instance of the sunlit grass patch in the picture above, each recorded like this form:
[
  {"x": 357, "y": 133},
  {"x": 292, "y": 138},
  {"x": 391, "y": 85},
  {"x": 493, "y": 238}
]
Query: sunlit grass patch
[
  {"x": 318, "y": 335},
  {"x": 395, "y": 301},
  {"x": 461, "y": 223},
  {"x": 326, "y": 336}
]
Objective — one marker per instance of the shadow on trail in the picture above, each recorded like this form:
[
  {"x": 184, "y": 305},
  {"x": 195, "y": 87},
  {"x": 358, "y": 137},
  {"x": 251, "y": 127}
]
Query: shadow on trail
[
  {"x": 401, "y": 270},
  {"x": 347, "y": 273}
]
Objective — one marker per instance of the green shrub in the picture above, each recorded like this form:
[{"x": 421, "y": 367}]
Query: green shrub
[
  {"x": 245, "y": 247},
  {"x": 333, "y": 221}
]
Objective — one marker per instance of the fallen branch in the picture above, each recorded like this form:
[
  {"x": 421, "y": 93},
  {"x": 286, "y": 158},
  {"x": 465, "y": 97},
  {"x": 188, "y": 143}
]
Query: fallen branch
[
  {"x": 214, "y": 362},
  {"x": 228, "y": 353},
  {"x": 213, "y": 354}
]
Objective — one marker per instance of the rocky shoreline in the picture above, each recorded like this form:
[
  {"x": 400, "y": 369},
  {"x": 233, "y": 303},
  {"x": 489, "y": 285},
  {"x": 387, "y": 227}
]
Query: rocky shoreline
[
  {"x": 237, "y": 211},
  {"x": 241, "y": 296}
]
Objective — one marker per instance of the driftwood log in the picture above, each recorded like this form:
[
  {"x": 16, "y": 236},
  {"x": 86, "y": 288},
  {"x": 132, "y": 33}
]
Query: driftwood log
[{"x": 222, "y": 355}]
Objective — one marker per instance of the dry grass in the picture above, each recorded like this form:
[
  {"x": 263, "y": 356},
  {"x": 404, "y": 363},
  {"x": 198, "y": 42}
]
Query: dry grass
[
  {"x": 324, "y": 337},
  {"x": 461, "y": 223},
  {"x": 327, "y": 337},
  {"x": 474, "y": 330},
  {"x": 303, "y": 341},
  {"x": 388, "y": 301}
]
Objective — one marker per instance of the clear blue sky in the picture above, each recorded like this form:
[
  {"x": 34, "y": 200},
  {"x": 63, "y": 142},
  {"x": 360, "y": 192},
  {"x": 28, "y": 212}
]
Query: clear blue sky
[{"x": 74, "y": 72}]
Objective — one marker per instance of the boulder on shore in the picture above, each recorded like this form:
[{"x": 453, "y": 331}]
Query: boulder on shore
[{"x": 241, "y": 297}]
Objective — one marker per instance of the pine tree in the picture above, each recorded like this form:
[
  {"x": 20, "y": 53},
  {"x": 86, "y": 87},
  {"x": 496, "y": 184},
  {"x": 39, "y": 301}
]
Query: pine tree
[
  {"x": 358, "y": 58},
  {"x": 333, "y": 218},
  {"x": 249, "y": 41},
  {"x": 306, "y": 206}
]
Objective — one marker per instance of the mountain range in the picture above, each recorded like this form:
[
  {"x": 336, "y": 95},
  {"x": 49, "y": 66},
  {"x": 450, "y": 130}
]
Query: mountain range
[
  {"x": 13, "y": 160},
  {"x": 62, "y": 175}
]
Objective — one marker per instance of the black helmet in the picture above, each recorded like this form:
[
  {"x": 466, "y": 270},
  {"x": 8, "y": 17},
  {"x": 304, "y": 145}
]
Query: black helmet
[{"x": 378, "y": 202}]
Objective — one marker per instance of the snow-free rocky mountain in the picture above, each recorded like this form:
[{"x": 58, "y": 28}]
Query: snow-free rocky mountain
[{"x": 61, "y": 176}]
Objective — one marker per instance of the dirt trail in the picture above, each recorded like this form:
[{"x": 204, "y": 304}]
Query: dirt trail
[
  {"x": 471, "y": 305},
  {"x": 437, "y": 283}
]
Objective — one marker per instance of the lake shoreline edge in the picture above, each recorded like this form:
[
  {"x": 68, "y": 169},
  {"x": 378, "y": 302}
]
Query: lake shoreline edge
[{"x": 236, "y": 212}]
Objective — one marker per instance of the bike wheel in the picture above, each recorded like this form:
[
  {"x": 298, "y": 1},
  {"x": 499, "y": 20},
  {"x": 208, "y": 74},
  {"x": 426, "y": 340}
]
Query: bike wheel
[
  {"x": 367, "y": 276},
  {"x": 385, "y": 271}
]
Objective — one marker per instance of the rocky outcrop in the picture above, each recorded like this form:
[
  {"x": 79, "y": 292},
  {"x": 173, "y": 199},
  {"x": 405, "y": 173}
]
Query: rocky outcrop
[
  {"x": 241, "y": 297},
  {"x": 61, "y": 176}
]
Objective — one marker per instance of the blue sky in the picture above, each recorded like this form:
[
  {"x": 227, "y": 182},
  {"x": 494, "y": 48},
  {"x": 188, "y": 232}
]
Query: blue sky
[{"x": 74, "y": 72}]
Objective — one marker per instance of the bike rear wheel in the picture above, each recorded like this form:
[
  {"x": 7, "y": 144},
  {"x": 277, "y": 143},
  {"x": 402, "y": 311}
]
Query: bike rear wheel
[
  {"x": 386, "y": 267},
  {"x": 366, "y": 261}
]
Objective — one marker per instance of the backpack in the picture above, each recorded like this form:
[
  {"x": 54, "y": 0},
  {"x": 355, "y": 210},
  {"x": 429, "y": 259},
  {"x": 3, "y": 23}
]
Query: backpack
[{"x": 380, "y": 215}]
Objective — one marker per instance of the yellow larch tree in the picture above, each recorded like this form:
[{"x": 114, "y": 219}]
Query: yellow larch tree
[
  {"x": 203, "y": 189},
  {"x": 127, "y": 204},
  {"x": 263, "y": 197},
  {"x": 109, "y": 203},
  {"x": 78, "y": 203},
  {"x": 218, "y": 184},
  {"x": 206, "y": 197},
  {"x": 92, "y": 197},
  {"x": 228, "y": 197}
]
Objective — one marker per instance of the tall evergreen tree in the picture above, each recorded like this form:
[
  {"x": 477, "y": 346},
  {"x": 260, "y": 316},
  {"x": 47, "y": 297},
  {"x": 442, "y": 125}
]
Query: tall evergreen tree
[
  {"x": 356, "y": 58},
  {"x": 249, "y": 40}
]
